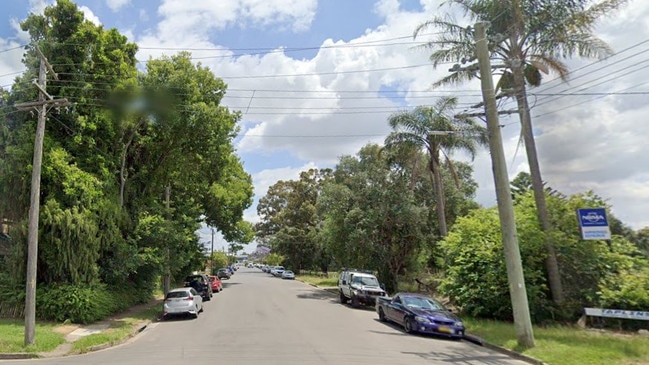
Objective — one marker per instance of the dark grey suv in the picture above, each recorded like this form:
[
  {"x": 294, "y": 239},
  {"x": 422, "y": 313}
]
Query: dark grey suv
[{"x": 201, "y": 284}]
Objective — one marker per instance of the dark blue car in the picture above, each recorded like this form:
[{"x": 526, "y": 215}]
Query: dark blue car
[{"x": 419, "y": 313}]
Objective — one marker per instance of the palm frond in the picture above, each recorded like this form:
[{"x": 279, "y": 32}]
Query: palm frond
[
  {"x": 550, "y": 63},
  {"x": 455, "y": 78}
]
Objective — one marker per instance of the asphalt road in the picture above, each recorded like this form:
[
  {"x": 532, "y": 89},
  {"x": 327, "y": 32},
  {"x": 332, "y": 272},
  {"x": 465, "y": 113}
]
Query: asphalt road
[{"x": 259, "y": 319}]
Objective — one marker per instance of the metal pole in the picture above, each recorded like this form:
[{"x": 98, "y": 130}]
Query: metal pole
[
  {"x": 212, "y": 255},
  {"x": 167, "y": 276},
  {"x": 520, "y": 306},
  {"x": 34, "y": 209}
]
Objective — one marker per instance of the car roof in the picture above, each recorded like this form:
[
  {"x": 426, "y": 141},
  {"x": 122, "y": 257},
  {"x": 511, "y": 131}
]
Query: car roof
[
  {"x": 418, "y": 295},
  {"x": 180, "y": 289},
  {"x": 356, "y": 273}
]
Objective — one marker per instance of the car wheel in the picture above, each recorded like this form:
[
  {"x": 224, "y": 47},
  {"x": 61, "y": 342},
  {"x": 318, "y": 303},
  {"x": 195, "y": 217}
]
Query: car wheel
[
  {"x": 355, "y": 302},
  {"x": 382, "y": 315},
  {"x": 407, "y": 325},
  {"x": 343, "y": 299}
]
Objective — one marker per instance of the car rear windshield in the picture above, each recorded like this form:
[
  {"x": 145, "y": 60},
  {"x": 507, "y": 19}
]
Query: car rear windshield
[{"x": 177, "y": 294}]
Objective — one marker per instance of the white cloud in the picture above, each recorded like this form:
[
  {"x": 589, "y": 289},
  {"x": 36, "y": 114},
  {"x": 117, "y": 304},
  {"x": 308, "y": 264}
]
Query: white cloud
[
  {"x": 265, "y": 178},
  {"x": 197, "y": 18},
  {"x": 115, "y": 5},
  {"x": 89, "y": 15}
]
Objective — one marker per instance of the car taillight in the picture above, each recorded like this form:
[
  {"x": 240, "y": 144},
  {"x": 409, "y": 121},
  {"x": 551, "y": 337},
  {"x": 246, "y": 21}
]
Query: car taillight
[{"x": 189, "y": 298}]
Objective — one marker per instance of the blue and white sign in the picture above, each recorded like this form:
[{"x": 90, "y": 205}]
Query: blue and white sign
[{"x": 593, "y": 224}]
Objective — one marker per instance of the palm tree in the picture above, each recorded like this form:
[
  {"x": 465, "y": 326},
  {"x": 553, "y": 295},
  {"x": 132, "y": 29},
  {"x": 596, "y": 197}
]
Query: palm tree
[
  {"x": 435, "y": 130},
  {"x": 526, "y": 38}
]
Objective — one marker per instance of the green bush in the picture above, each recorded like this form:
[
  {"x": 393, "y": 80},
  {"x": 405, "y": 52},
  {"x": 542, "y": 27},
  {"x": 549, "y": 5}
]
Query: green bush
[
  {"x": 85, "y": 304},
  {"x": 592, "y": 273},
  {"x": 76, "y": 303}
]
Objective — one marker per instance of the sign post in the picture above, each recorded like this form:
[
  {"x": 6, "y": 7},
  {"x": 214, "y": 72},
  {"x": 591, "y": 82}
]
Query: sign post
[{"x": 593, "y": 224}]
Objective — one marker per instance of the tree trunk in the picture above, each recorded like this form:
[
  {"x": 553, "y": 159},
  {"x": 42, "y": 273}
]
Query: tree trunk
[
  {"x": 122, "y": 172},
  {"x": 439, "y": 192},
  {"x": 551, "y": 262}
]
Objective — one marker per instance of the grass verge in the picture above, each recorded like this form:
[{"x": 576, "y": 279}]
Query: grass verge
[
  {"x": 119, "y": 331},
  {"x": 561, "y": 345},
  {"x": 318, "y": 280},
  {"x": 13, "y": 337}
]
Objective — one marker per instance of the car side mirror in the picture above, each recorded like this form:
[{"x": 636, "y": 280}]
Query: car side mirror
[{"x": 382, "y": 286}]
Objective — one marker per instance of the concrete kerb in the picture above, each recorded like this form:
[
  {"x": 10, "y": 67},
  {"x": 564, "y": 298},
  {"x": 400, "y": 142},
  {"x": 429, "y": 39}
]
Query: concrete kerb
[
  {"x": 19, "y": 356},
  {"x": 516, "y": 355}
]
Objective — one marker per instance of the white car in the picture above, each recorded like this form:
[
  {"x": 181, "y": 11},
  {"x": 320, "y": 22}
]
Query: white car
[
  {"x": 182, "y": 301},
  {"x": 288, "y": 274},
  {"x": 277, "y": 270}
]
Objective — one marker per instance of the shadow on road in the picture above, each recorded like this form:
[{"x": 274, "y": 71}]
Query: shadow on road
[
  {"x": 227, "y": 284},
  {"x": 321, "y": 295},
  {"x": 462, "y": 357}
]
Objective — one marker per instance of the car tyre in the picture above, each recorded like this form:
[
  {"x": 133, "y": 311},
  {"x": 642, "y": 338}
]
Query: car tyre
[
  {"x": 382, "y": 315},
  {"x": 355, "y": 302},
  {"x": 343, "y": 298},
  {"x": 407, "y": 325}
]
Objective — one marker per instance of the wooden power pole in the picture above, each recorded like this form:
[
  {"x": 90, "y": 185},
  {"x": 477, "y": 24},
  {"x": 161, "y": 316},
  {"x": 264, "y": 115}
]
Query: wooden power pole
[
  {"x": 44, "y": 101},
  {"x": 520, "y": 306}
]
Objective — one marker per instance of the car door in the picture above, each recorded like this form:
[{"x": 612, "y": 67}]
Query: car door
[
  {"x": 397, "y": 310},
  {"x": 197, "y": 298}
]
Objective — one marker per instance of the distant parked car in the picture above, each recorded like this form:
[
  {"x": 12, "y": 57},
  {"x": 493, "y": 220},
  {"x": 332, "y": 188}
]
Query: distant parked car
[
  {"x": 182, "y": 301},
  {"x": 277, "y": 271},
  {"x": 223, "y": 273},
  {"x": 217, "y": 286},
  {"x": 201, "y": 284},
  {"x": 419, "y": 313},
  {"x": 288, "y": 274}
]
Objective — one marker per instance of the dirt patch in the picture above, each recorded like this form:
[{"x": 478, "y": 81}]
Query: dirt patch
[{"x": 65, "y": 329}]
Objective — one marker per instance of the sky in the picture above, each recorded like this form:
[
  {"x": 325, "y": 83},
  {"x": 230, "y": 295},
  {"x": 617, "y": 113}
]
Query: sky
[{"x": 317, "y": 79}]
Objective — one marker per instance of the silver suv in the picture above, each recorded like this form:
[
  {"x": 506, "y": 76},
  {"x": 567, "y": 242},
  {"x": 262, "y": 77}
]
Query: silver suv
[{"x": 359, "y": 287}]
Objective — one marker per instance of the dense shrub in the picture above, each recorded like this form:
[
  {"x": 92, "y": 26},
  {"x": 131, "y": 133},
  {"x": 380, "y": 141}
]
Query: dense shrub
[
  {"x": 85, "y": 304},
  {"x": 593, "y": 273}
]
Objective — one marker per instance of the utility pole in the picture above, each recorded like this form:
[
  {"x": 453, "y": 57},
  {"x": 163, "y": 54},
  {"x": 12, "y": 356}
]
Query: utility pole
[
  {"x": 520, "y": 306},
  {"x": 212, "y": 254},
  {"x": 167, "y": 278},
  {"x": 44, "y": 100}
]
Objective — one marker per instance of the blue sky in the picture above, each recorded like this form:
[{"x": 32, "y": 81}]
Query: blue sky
[{"x": 356, "y": 66}]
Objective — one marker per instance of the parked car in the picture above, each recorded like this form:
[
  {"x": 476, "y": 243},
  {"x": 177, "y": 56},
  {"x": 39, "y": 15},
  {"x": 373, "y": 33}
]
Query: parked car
[
  {"x": 223, "y": 273},
  {"x": 288, "y": 274},
  {"x": 277, "y": 270},
  {"x": 201, "y": 284},
  {"x": 182, "y": 301},
  {"x": 359, "y": 287},
  {"x": 419, "y": 313},
  {"x": 217, "y": 286}
]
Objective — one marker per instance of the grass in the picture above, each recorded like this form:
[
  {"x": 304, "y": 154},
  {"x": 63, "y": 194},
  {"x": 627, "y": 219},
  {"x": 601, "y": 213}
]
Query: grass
[
  {"x": 331, "y": 280},
  {"x": 13, "y": 337},
  {"x": 119, "y": 331},
  {"x": 562, "y": 345}
]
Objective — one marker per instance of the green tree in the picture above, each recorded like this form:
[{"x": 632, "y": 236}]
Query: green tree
[
  {"x": 436, "y": 131},
  {"x": 527, "y": 38},
  {"x": 371, "y": 219},
  {"x": 289, "y": 219},
  {"x": 219, "y": 260},
  {"x": 274, "y": 259}
]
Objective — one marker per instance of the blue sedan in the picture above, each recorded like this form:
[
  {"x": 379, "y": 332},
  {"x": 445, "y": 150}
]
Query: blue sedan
[{"x": 419, "y": 313}]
